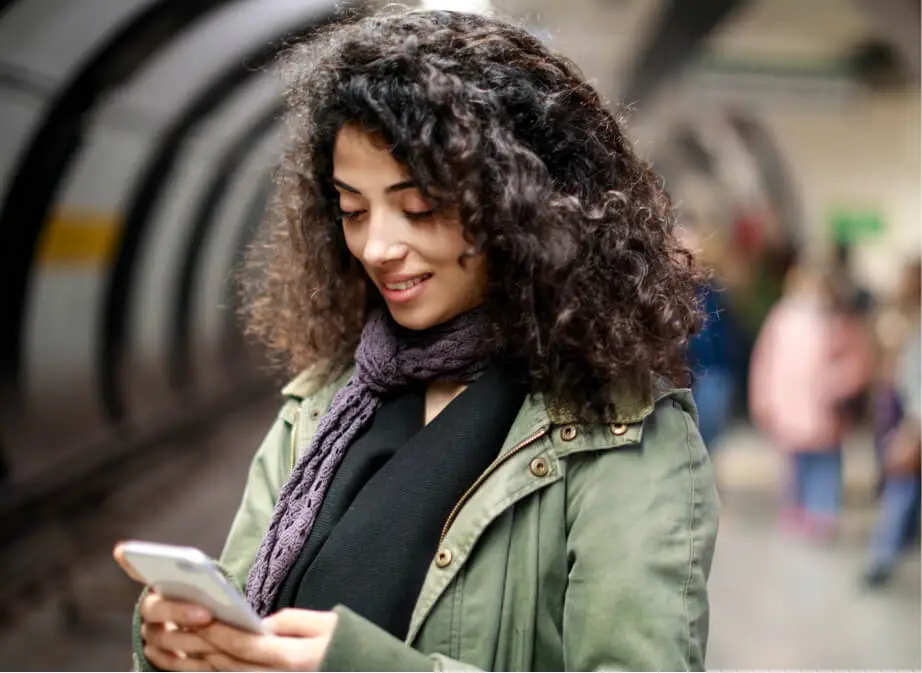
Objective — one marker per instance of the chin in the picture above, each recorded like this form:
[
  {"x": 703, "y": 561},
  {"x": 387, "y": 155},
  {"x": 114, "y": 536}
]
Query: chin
[
  {"x": 422, "y": 317},
  {"x": 416, "y": 320}
]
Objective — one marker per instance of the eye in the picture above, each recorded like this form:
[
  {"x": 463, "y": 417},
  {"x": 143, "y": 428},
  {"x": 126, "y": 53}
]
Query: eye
[
  {"x": 350, "y": 214},
  {"x": 419, "y": 215}
]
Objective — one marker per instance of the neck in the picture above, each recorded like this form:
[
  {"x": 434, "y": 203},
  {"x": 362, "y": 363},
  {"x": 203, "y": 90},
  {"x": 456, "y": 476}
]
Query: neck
[{"x": 439, "y": 395}]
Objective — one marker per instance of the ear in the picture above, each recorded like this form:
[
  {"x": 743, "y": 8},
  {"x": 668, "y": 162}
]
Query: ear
[{"x": 466, "y": 255}]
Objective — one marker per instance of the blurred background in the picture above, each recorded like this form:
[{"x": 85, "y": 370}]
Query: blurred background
[{"x": 136, "y": 144}]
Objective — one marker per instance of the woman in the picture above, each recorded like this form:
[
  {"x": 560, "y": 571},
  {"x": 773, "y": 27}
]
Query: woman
[
  {"x": 810, "y": 362},
  {"x": 482, "y": 463}
]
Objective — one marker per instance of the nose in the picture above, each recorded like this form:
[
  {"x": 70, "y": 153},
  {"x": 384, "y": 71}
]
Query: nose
[{"x": 385, "y": 241}]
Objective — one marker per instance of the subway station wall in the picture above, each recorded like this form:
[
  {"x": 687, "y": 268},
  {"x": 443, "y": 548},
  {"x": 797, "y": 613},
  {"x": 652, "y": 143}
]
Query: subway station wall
[
  {"x": 199, "y": 119},
  {"x": 844, "y": 149},
  {"x": 864, "y": 156}
]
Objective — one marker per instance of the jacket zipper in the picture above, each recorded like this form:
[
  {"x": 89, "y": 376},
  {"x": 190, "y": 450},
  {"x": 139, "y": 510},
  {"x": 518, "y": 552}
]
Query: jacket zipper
[{"x": 496, "y": 463}]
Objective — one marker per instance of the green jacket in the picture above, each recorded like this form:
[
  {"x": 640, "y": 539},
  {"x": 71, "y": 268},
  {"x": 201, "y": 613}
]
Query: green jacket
[{"x": 583, "y": 547}]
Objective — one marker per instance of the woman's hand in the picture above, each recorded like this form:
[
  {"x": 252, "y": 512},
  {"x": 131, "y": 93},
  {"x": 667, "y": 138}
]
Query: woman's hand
[
  {"x": 168, "y": 629},
  {"x": 296, "y": 640}
]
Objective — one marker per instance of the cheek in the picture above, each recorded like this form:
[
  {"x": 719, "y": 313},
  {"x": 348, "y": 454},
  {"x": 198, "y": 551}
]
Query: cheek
[
  {"x": 448, "y": 253},
  {"x": 464, "y": 279},
  {"x": 445, "y": 246}
]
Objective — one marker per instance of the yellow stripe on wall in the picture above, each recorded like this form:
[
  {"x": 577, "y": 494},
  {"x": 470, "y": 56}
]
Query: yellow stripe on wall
[{"x": 79, "y": 237}]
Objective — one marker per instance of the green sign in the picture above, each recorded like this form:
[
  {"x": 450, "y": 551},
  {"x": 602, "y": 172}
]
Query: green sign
[{"x": 851, "y": 226}]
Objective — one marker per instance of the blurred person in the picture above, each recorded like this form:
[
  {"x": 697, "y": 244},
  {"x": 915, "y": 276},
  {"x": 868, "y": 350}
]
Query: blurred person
[
  {"x": 758, "y": 285},
  {"x": 713, "y": 351},
  {"x": 712, "y": 354},
  {"x": 483, "y": 287},
  {"x": 811, "y": 359},
  {"x": 900, "y": 441}
]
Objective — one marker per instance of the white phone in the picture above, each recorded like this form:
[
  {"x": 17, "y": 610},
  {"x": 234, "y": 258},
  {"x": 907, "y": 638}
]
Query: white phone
[{"x": 188, "y": 574}]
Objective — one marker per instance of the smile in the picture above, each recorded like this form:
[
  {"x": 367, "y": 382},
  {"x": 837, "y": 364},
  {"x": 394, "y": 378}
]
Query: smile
[
  {"x": 405, "y": 290},
  {"x": 407, "y": 284}
]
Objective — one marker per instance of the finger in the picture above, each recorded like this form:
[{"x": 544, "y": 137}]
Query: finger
[
  {"x": 150, "y": 633},
  {"x": 303, "y": 623},
  {"x": 261, "y": 650},
  {"x": 170, "y": 661},
  {"x": 175, "y": 640},
  {"x": 185, "y": 641},
  {"x": 118, "y": 553},
  {"x": 159, "y": 610},
  {"x": 222, "y": 662}
]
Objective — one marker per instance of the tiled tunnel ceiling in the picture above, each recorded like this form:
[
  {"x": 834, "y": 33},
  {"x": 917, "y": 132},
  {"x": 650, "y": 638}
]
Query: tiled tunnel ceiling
[
  {"x": 603, "y": 36},
  {"x": 792, "y": 31}
]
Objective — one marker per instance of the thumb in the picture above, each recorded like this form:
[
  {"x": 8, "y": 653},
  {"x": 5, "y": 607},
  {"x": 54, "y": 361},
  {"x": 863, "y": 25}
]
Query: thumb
[{"x": 302, "y": 623}]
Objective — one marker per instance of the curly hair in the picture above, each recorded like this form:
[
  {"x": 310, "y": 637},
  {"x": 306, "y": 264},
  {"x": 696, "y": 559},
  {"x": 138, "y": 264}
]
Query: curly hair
[{"x": 587, "y": 282}]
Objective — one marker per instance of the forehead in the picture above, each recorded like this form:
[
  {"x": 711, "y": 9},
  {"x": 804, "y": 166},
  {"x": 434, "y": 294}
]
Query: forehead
[{"x": 362, "y": 154}]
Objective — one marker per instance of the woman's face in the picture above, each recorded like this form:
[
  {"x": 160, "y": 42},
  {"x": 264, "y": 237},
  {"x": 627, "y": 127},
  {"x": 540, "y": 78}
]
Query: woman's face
[{"x": 414, "y": 254}]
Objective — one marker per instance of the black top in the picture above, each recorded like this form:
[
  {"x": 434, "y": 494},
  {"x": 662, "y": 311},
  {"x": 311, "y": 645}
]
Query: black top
[{"x": 380, "y": 522}]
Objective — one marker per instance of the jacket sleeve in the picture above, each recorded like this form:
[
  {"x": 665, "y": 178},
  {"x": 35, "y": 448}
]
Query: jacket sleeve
[
  {"x": 268, "y": 471},
  {"x": 359, "y": 645},
  {"x": 642, "y": 525}
]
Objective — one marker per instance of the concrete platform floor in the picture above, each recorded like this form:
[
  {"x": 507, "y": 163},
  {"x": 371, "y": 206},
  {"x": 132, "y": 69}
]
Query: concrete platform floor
[{"x": 777, "y": 602}]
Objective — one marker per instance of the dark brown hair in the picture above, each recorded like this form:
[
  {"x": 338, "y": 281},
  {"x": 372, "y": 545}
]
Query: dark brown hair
[{"x": 587, "y": 284}]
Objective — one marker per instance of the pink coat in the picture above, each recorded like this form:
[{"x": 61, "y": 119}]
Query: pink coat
[{"x": 807, "y": 361}]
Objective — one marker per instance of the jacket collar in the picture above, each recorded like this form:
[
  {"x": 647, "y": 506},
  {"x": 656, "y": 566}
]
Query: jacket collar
[
  {"x": 317, "y": 381},
  {"x": 538, "y": 415}
]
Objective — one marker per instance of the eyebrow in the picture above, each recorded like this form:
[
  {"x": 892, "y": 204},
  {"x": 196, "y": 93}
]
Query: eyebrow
[{"x": 400, "y": 186}]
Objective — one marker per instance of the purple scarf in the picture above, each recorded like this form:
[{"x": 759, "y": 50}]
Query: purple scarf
[{"x": 388, "y": 357}]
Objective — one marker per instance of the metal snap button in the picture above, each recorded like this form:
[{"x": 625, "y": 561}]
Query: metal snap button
[
  {"x": 443, "y": 558},
  {"x": 539, "y": 467},
  {"x": 617, "y": 429},
  {"x": 568, "y": 433},
  {"x": 315, "y": 414}
]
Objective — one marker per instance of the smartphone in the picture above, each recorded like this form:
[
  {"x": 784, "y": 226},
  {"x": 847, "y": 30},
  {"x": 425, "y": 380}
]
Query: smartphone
[{"x": 188, "y": 574}]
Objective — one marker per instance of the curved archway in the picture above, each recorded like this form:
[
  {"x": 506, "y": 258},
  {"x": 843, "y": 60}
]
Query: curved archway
[
  {"x": 772, "y": 168},
  {"x": 233, "y": 343},
  {"x": 30, "y": 196},
  {"x": 228, "y": 164},
  {"x": 148, "y": 188}
]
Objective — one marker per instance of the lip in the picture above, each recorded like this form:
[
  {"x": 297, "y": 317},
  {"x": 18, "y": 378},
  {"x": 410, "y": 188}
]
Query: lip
[{"x": 403, "y": 296}]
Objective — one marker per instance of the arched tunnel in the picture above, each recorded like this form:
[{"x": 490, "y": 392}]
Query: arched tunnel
[
  {"x": 128, "y": 191},
  {"x": 137, "y": 150}
]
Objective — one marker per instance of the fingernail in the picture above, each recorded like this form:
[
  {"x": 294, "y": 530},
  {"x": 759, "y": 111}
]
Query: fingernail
[{"x": 198, "y": 615}]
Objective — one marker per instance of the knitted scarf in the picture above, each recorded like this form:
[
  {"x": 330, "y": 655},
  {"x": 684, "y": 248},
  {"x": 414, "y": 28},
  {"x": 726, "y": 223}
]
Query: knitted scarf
[{"x": 388, "y": 357}]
